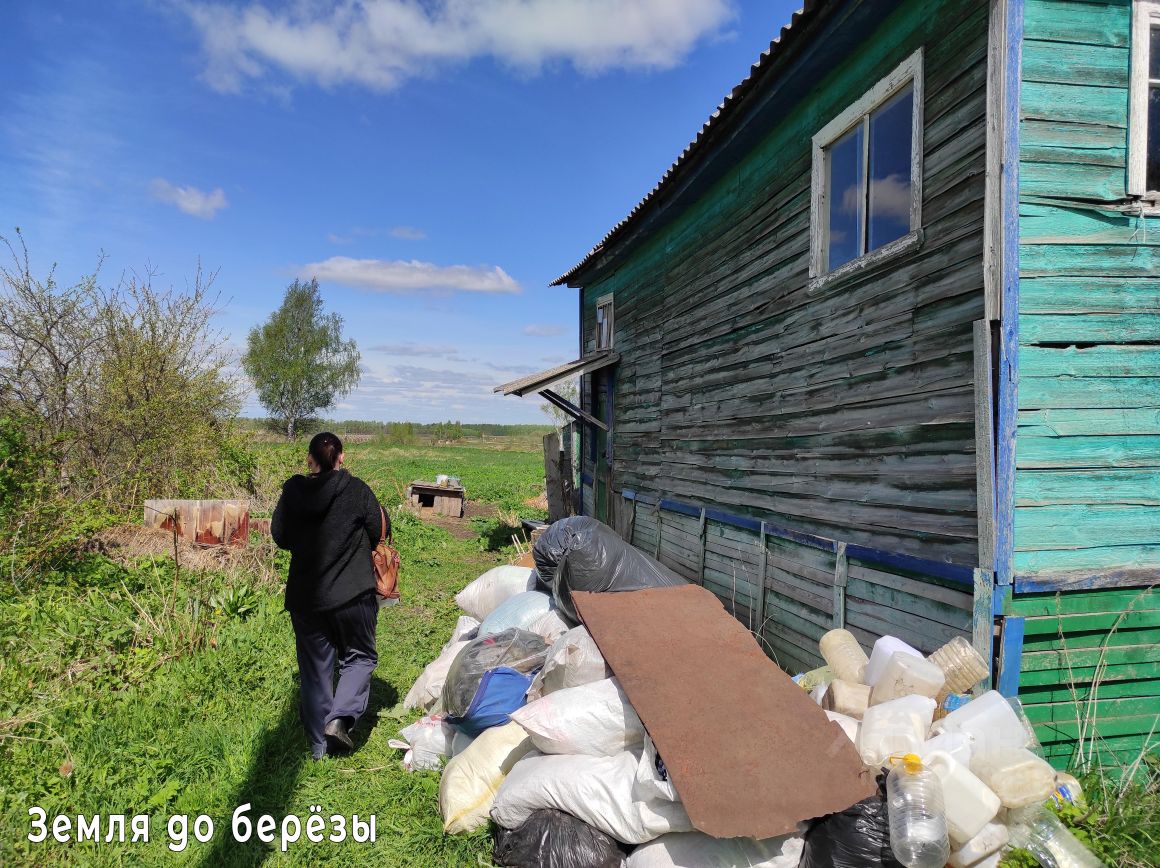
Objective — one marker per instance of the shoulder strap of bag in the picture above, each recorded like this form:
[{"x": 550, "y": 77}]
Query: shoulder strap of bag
[{"x": 383, "y": 532}]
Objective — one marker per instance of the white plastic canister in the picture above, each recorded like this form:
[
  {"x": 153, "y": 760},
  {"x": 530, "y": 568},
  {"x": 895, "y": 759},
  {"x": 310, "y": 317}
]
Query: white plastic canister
[
  {"x": 894, "y": 728},
  {"x": 957, "y": 744},
  {"x": 970, "y": 804},
  {"x": 883, "y": 650},
  {"x": 905, "y": 674},
  {"x": 989, "y": 721},
  {"x": 993, "y": 836}
]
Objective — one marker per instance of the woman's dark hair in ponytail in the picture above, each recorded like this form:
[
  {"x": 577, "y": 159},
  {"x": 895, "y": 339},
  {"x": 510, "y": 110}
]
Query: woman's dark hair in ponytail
[{"x": 325, "y": 449}]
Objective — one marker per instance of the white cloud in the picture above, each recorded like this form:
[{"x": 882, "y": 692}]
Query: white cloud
[
  {"x": 381, "y": 43},
  {"x": 406, "y": 276},
  {"x": 543, "y": 330},
  {"x": 408, "y": 233},
  {"x": 189, "y": 200},
  {"x": 443, "y": 351}
]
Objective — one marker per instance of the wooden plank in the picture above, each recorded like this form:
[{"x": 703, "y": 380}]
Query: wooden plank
[
  {"x": 553, "y": 481},
  {"x": 1051, "y": 422},
  {"x": 1129, "y": 485},
  {"x": 1080, "y": 658},
  {"x": 1075, "y": 526},
  {"x": 984, "y": 441},
  {"x": 983, "y": 624},
  {"x": 1106, "y": 452},
  {"x": 841, "y": 576},
  {"x": 1080, "y": 23}
]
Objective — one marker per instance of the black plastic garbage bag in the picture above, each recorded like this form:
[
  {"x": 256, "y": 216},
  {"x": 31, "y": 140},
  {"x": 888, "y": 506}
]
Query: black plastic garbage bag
[
  {"x": 858, "y": 837},
  {"x": 553, "y": 839},
  {"x": 582, "y": 554}
]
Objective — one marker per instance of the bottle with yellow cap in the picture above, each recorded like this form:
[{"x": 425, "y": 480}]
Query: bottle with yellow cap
[{"x": 918, "y": 823}]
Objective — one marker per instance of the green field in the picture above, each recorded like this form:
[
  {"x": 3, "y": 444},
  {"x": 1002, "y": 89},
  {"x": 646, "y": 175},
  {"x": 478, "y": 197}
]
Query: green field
[{"x": 121, "y": 693}]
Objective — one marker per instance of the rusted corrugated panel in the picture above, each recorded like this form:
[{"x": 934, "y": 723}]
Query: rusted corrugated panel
[
  {"x": 208, "y": 522},
  {"x": 717, "y": 122},
  {"x": 747, "y": 749}
]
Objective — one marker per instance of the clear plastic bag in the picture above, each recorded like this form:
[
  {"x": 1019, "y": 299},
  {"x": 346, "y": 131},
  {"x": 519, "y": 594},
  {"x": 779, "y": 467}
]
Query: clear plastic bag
[
  {"x": 582, "y": 554},
  {"x": 512, "y": 649}
]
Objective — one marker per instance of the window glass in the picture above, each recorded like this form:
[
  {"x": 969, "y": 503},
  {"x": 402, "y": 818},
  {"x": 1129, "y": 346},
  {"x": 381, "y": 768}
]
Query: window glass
[
  {"x": 890, "y": 135},
  {"x": 1154, "y": 54},
  {"x": 846, "y": 197}
]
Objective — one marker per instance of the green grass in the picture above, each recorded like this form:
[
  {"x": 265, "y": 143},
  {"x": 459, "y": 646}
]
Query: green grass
[{"x": 120, "y": 694}]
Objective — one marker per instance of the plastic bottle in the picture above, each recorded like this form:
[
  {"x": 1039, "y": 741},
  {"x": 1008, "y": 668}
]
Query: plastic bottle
[
  {"x": 918, "y": 826},
  {"x": 946, "y": 702},
  {"x": 844, "y": 655},
  {"x": 807, "y": 681},
  {"x": 1068, "y": 791},
  {"x": 894, "y": 728},
  {"x": 905, "y": 674},
  {"x": 989, "y": 721},
  {"x": 1016, "y": 775},
  {"x": 847, "y": 697},
  {"x": 962, "y": 665},
  {"x": 1038, "y": 830},
  {"x": 990, "y": 840},
  {"x": 880, "y": 655},
  {"x": 970, "y": 804}
]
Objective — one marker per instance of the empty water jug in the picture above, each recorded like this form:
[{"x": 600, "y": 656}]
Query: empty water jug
[
  {"x": 1016, "y": 775},
  {"x": 844, "y": 655},
  {"x": 970, "y": 804},
  {"x": 880, "y": 655},
  {"x": 918, "y": 826},
  {"x": 962, "y": 665},
  {"x": 894, "y": 728},
  {"x": 956, "y": 744},
  {"x": 989, "y": 721},
  {"x": 1039, "y": 831},
  {"x": 905, "y": 674}
]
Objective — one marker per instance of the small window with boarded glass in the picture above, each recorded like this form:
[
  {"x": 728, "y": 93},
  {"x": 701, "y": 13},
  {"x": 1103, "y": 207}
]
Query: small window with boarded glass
[
  {"x": 1144, "y": 122},
  {"x": 867, "y": 172},
  {"x": 604, "y": 322}
]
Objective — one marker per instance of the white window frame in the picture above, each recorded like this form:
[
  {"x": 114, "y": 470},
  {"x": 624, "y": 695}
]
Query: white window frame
[
  {"x": 604, "y": 308},
  {"x": 906, "y": 73},
  {"x": 1145, "y": 14}
]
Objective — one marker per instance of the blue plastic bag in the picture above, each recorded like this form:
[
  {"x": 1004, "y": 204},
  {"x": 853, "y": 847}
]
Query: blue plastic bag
[{"x": 501, "y": 691}]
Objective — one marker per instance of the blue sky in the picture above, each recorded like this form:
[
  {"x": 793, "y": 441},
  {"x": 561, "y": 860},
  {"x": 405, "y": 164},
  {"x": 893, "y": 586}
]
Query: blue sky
[{"x": 436, "y": 164}]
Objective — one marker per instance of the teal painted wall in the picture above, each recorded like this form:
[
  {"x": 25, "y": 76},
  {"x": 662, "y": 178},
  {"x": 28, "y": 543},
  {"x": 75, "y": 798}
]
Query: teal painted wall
[
  {"x": 1088, "y": 446},
  {"x": 1087, "y": 482}
]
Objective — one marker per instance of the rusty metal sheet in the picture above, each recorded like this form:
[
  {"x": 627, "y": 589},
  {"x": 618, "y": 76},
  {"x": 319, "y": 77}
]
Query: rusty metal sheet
[{"x": 747, "y": 749}]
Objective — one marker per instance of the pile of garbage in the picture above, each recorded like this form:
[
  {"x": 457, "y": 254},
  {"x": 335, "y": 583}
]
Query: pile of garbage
[
  {"x": 965, "y": 779},
  {"x": 534, "y": 733}
]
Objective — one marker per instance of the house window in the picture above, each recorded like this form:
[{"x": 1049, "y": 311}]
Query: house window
[
  {"x": 604, "y": 322},
  {"x": 1144, "y": 122},
  {"x": 867, "y": 173}
]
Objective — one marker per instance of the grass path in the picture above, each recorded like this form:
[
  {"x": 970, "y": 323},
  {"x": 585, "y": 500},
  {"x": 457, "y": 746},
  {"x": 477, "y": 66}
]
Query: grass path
[{"x": 140, "y": 730}]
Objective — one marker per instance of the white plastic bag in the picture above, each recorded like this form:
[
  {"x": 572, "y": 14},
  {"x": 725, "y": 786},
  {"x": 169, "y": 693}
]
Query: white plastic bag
[
  {"x": 470, "y": 780},
  {"x": 597, "y": 790},
  {"x": 465, "y": 628},
  {"x": 518, "y": 610},
  {"x": 572, "y": 661},
  {"x": 550, "y": 626},
  {"x": 427, "y": 691},
  {"x": 698, "y": 850},
  {"x": 594, "y": 719},
  {"x": 480, "y": 598},
  {"x": 426, "y": 742}
]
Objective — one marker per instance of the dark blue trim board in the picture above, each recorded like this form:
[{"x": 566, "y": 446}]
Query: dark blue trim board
[
  {"x": 1010, "y": 655},
  {"x": 957, "y": 573}
]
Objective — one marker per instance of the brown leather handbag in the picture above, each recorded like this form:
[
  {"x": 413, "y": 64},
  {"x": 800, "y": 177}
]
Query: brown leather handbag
[{"x": 386, "y": 560}]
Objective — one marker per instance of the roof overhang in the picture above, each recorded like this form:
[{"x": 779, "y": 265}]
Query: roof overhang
[{"x": 542, "y": 380}]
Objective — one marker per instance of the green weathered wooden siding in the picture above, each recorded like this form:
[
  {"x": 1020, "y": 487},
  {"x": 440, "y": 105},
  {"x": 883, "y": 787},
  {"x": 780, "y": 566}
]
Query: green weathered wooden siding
[
  {"x": 1089, "y": 678},
  {"x": 846, "y": 413},
  {"x": 1088, "y": 448},
  {"x": 1087, "y": 487}
]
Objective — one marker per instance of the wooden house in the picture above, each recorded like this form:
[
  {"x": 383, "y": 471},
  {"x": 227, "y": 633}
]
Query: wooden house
[{"x": 882, "y": 350}]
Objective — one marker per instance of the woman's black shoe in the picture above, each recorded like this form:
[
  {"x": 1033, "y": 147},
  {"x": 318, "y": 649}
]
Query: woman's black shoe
[{"x": 337, "y": 736}]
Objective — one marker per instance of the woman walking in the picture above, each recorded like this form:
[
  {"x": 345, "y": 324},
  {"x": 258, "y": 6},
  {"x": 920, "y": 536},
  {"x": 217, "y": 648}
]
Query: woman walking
[{"x": 330, "y": 521}]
